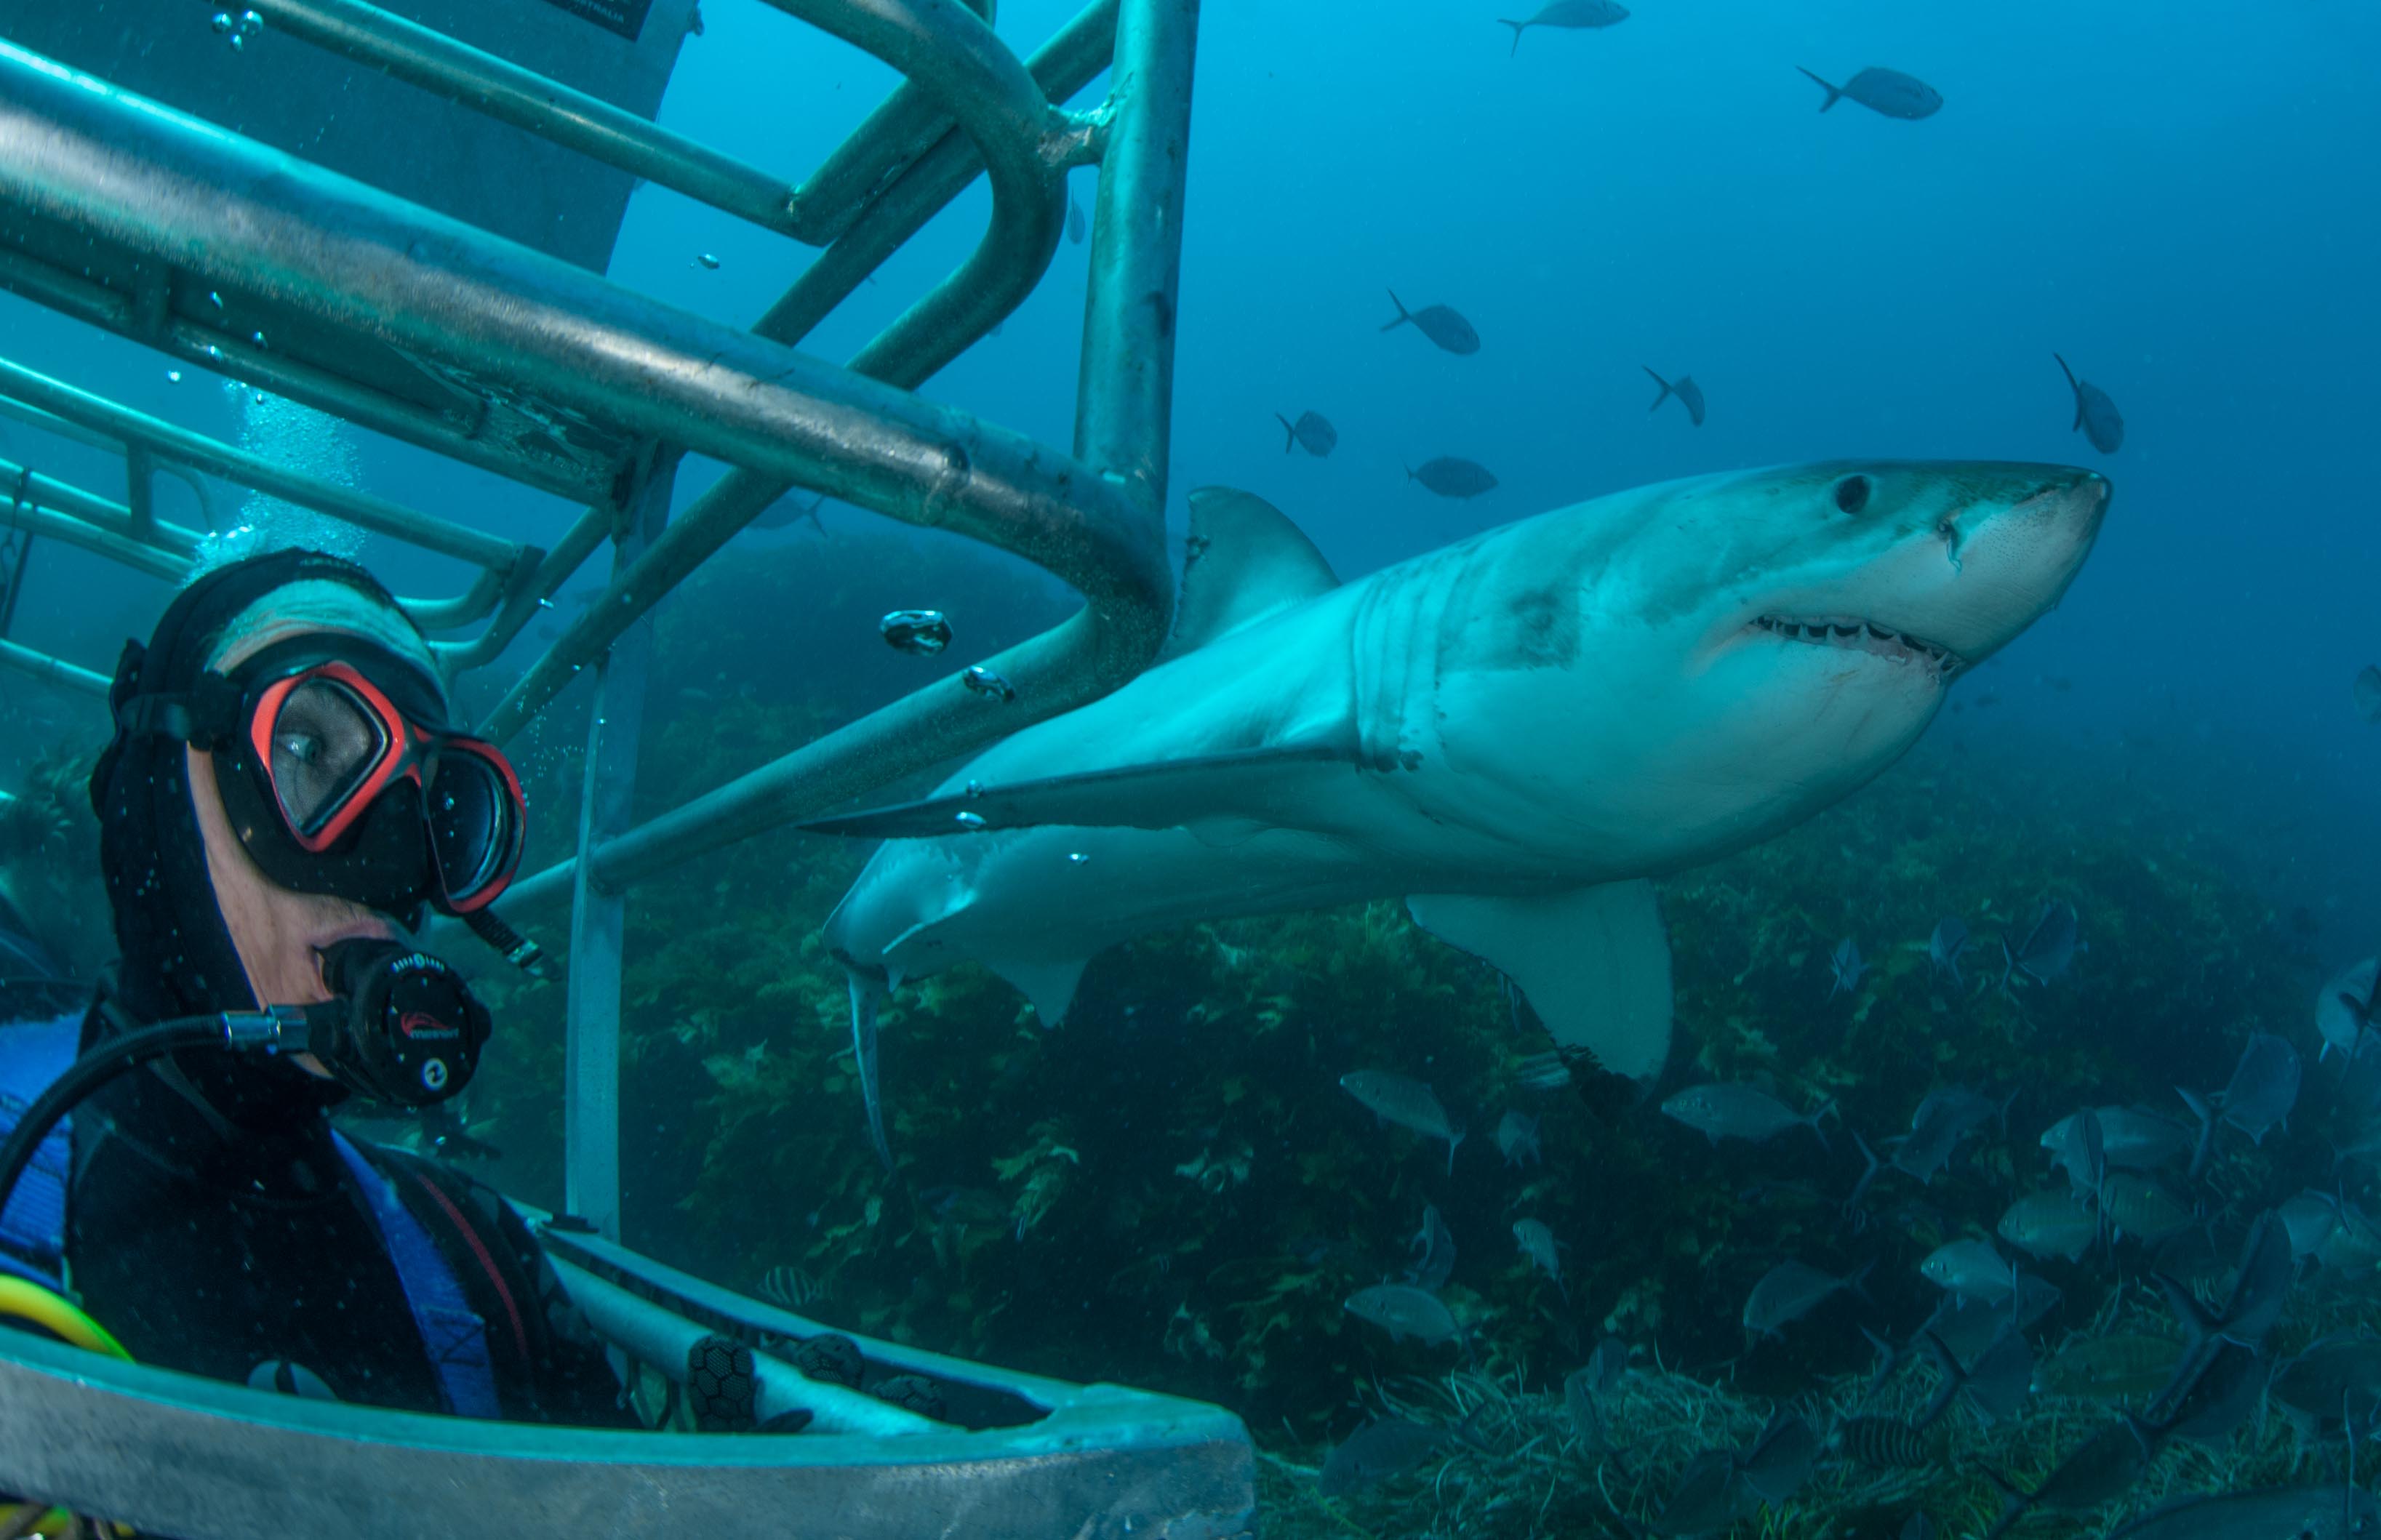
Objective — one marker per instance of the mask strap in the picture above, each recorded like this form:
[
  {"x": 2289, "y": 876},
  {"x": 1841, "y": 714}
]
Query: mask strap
[{"x": 519, "y": 950}]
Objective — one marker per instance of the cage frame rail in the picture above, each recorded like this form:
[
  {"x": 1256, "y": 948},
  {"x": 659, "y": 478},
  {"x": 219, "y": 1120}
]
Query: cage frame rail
[{"x": 199, "y": 235}]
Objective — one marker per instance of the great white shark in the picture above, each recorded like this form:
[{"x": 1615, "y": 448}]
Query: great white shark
[{"x": 1513, "y": 733}]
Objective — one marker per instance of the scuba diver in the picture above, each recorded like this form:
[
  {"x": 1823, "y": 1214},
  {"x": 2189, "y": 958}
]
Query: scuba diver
[{"x": 284, "y": 796}]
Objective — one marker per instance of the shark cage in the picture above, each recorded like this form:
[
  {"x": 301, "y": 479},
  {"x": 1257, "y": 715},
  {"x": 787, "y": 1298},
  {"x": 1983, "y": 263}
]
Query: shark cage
[{"x": 415, "y": 206}]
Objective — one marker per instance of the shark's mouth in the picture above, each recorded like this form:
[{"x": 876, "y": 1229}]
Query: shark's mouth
[{"x": 1861, "y": 636}]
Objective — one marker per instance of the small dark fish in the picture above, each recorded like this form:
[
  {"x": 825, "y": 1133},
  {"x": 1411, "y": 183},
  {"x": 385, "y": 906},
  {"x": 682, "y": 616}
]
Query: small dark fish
[
  {"x": 791, "y": 510},
  {"x": 2102, "y": 1469},
  {"x": 1517, "y": 1139},
  {"x": 1578, "y": 1399},
  {"x": 1689, "y": 394},
  {"x": 1885, "y": 90},
  {"x": 2218, "y": 1399},
  {"x": 1538, "y": 1243},
  {"x": 2049, "y": 1224},
  {"x": 2334, "y": 1373},
  {"x": 1435, "y": 1247},
  {"x": 1997, "y": 1382},
  {"x": 2330, "y": 1513},
  {"x": 1943, "y": 1119},
  {"x": 2263, "y": 1089},
  {"x": 1570, "y": 15},
  {"x": 1791, "y": 1291},
  {"x": 1439, "y": 323},
  {"x": 1943, "y": 949},
  {"x": 1403, "y": 1310},
  {"x": 1845, "y": 963},
  {"x": 2144, "y": 1208},
  {"x": 1711, "y": 1494},
  {"x": 1313, "y": 431},
  {"x": 2095, "y": 415},
  {"x": 1780, "y": 1461},
  {"x": 982, "y": 681},
  {"x": 1723, "y": 1109},
  {"x": 1407, "y": 1103},
  {"x": 2367, "y": 691},
  {"x": 1378, "y": 1451},
  {"x": 1886, "y": 1444},
  {"x": 1074, "y": 221},
  {"x": 2109, "y": 1368},
  {"x": 922, "y": 632},
  {"x": 2049, "y": 948},
  {"x": 1451, "y": 477},
  {"x": 2344, "y": 1006}
]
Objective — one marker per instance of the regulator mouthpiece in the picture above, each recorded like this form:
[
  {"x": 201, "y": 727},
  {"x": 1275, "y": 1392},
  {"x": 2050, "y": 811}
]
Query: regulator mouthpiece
[{"x": 402, "y": 1027}]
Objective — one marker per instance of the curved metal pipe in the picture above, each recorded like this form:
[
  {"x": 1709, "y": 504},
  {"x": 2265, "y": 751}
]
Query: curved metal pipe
[{"x": 1007, "y": 118}]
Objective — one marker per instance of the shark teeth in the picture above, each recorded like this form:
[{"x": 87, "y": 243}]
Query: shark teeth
[{"x": 1865, "y": 635}]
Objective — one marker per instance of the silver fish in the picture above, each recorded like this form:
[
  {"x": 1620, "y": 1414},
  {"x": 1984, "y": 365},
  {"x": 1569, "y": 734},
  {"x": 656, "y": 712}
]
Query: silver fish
[
  {"x": 1538, "y": 1243},
  {"x": 1313, "y": 432},
  {"x": 2334, "y": 1374},
  {"x": 1943, "y": 949},
  {"x": 2263, "y": 1089},
  {"x": 1791, "y": 1291},
  {"x": 1452, "y": 476},
  {"x": 1570, "y": 15},
  {"x": 1442, "y": 325},
  {"x": 1997, "y": 1382},
  {"x": 1885, "y": 90},
  {"x": 2095, "y": 415},
  {"x": 2102, "y": 1469},
  {"x": 1845, "y": 963},
  {"x": 1403, "y": 1310},
  {"x": 1723, "y": 1109},
  {"x": 2049, "y": 1224},
  {"x": 1517, "y": 1139},
  {"x": 1376, "y": 1451},
  {"x": 1436, "y": 1246},
  {"x": 2330, "y": 1512},
  {"x": 1407, "y": 1103},
  {"x": 2131, "y": 1140},
  {"x": 2219, "y": 1397},
  {"x": 1689, "y": 394},
  {"x": 1972, "y": 1270},
  {"x": 2308, "y": 1220}
]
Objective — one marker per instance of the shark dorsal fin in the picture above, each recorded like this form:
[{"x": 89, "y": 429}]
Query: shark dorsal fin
[{"x": 1247, "y": 561}]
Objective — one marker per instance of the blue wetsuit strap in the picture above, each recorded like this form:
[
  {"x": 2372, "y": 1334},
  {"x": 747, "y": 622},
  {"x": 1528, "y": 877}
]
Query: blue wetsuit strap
[
  {"x": 33, "y": 1229},
  {"x": 453, "y": 1337}
]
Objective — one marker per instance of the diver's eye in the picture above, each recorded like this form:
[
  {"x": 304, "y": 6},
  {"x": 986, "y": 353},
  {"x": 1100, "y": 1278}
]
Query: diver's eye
[{"x": 1851, "y": 493}]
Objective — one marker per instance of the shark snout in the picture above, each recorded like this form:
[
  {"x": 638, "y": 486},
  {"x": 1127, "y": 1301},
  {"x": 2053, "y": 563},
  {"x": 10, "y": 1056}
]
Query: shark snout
[{"x": 2005, "y": 557}]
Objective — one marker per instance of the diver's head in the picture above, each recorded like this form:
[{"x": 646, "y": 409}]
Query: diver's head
[{"x": 285, "y": 776}]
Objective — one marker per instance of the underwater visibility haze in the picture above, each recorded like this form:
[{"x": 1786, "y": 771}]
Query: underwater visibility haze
[{"x": 1781, "y": 948}]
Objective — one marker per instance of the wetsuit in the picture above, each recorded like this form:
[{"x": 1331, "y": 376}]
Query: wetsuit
[{"x": 214, "y": 1227}]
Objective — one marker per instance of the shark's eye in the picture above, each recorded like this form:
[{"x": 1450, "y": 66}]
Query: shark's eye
[{"x": 1851, "y": 493}]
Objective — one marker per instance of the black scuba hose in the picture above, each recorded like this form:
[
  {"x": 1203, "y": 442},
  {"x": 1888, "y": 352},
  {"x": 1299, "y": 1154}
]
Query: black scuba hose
[{"x": 243, "y": 1030}]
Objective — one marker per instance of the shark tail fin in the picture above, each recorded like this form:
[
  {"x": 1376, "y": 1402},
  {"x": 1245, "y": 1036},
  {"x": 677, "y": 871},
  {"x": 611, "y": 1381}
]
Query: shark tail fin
[
  {"x": 1403, "y": 314},
  {"x": 1659, "y": 381},
  {"x": 1811, "y": 1122},
  {"x": 863, "y": 1058},
  {"x": 2205, "y": 1111},
  {"x": 1835, "y": 93},
  {"x": 1288, "y": 433},
  {"x": 1518, "y": 27},
  {"x": 1453, "y": 1140}
]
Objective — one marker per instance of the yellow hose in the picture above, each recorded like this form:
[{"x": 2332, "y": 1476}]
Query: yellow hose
[{"x": 28, "y": 1301}]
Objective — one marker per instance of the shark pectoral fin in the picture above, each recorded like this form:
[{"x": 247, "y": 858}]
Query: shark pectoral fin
[
  {"x": 1246, "y": 561},
  {"x": 1164, "y": 794},
  {"x": 1594, "y": 963},
  {"x": 1050, "y": 986}
]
